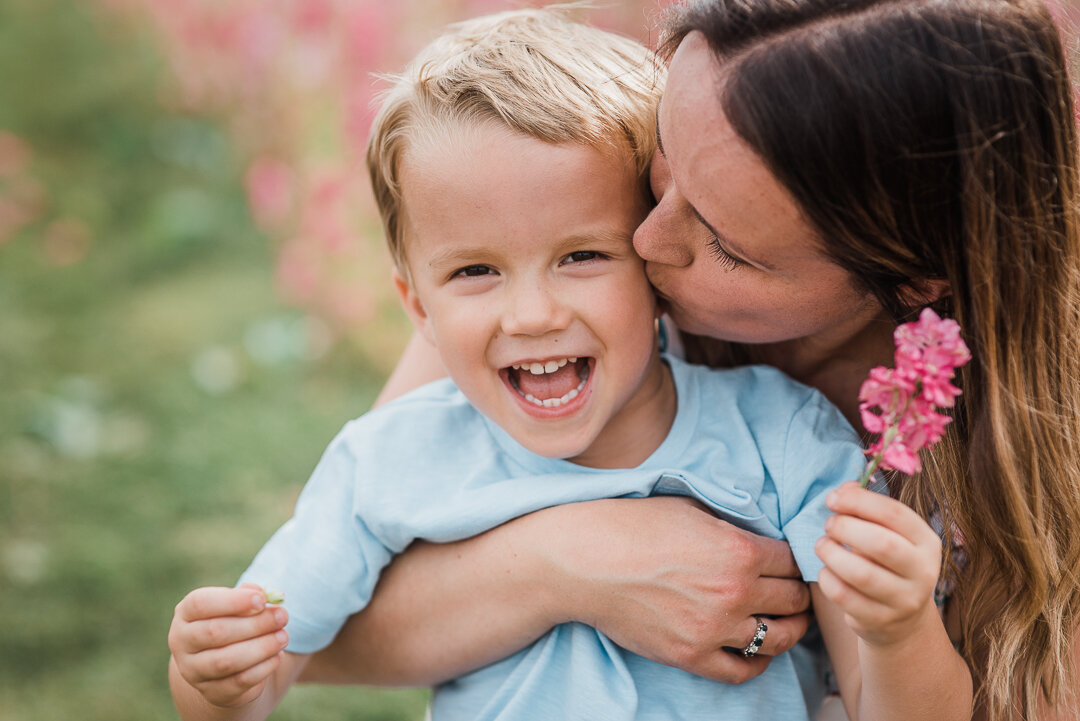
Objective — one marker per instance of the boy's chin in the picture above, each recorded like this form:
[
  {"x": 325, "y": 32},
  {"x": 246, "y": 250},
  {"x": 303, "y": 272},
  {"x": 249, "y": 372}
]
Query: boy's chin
[{"x": 556, "y": 451}]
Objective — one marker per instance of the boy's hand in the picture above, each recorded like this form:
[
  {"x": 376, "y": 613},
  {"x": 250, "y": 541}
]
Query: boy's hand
[
  {"x": 882, "y": 563},
  {"x": 227, "y": 641}
]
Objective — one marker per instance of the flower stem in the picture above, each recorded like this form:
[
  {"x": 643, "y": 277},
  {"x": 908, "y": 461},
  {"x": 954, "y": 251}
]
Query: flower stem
[{"x": 870, "y": 470}]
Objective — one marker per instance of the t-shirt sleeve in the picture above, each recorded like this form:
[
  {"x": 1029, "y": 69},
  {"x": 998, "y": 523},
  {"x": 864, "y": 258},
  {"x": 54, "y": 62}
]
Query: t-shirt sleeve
[
  {"x": 324, "y": 558},
  {"x": 821, "y": 452}
]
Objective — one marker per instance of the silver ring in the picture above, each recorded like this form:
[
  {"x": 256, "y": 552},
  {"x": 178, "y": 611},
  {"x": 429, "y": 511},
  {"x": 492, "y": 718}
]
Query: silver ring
[{"x": 759, "y": 638}]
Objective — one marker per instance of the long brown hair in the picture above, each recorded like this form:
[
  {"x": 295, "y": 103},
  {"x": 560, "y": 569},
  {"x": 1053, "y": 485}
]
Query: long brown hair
[{"x": 936, "y": 140}]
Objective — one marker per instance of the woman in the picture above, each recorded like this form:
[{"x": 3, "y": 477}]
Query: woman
[{"x": 827, "y": 168}]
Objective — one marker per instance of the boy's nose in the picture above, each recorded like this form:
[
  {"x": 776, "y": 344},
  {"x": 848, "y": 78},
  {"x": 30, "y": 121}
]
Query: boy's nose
[{"x": 534, "y": 309}]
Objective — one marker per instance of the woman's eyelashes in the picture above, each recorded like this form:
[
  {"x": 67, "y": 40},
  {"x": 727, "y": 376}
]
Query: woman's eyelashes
[{"x": 722, "y": 256}]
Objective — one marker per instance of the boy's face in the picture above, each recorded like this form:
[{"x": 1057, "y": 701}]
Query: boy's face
[{"x": 524, "y": 276}]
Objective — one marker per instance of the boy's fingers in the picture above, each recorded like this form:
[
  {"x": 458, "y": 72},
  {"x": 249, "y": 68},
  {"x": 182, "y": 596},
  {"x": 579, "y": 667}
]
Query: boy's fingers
[
  {"x": 242, "y": 687},
  {"x": 217, "y": 664},
  {"x": 854, "y": 604},
  {"x": 878, "y": 543},
  {"x": 878, "y": 508},
  {"x": 869, "y": 579},
  {"x": 223, "y": 631},
  {"x": 216, "y": 601}
]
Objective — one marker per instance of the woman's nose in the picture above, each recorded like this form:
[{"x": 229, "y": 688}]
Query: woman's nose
[
  {"x": 663, "y": 237},
  {"x": 534, "y": 309}
]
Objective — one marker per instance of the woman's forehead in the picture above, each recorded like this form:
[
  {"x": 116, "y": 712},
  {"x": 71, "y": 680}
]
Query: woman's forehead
[{"x": 721, "y": 178}]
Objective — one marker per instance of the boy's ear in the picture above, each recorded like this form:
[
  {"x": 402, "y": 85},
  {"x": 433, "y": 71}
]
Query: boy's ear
[
  {"x": 413, "y": 307},
  {"x": 924, "y": 292}
]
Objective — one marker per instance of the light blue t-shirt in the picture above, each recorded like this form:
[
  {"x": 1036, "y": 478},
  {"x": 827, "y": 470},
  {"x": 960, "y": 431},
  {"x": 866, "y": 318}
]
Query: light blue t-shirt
[{"x": 759, "y": 449}]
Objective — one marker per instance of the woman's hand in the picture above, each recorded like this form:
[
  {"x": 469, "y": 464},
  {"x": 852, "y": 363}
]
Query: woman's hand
[
  {"x": 662, "y": 577},
  {"x": 882, "y": 562},
  {"x": 666, "y": 579}
]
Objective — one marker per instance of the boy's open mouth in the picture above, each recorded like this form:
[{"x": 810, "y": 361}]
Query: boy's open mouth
[{"x": 551, "y": 383}]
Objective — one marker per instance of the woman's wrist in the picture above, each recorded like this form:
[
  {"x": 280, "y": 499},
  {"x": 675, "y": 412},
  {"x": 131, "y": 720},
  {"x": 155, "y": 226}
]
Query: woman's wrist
[{"x": 546, "y": 547}]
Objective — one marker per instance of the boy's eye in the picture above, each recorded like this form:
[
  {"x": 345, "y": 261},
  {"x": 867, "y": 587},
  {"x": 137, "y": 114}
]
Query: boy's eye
[
  {"x": 581, "y": 256},
  {"x": 472, "y": 271}
]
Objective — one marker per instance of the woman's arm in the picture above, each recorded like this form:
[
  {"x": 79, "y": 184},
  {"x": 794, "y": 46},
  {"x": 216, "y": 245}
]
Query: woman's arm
[
  {"x": 660, "y": 576},
  {"x": 419, "y": 364}
]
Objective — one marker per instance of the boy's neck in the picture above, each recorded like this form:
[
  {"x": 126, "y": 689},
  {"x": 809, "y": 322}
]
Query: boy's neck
[{"x": 640, "y": 427}]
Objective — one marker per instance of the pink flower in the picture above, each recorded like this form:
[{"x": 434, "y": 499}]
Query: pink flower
[
  {"x": 270, "y": 190},
  {"x": 900, "y": 404},
  {"x": 899, "y": 456}
]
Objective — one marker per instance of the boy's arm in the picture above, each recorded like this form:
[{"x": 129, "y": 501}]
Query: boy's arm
[
  {"x": 874, "y": 601},
  {"x": 918, "y": 677},
  {"x": 226, "y": 657}
]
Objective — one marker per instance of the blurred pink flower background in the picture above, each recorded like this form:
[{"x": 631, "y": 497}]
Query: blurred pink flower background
[{"x": 292, "y": 83}]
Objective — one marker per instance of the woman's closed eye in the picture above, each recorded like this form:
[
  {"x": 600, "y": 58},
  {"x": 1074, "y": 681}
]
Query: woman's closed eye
[{"x": 725, "y": 259}]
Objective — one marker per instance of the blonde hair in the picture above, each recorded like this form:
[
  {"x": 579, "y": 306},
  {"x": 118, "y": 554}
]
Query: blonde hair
[
  {"x": 937, "y": 140},
  {"x": 536, "y": 72}
]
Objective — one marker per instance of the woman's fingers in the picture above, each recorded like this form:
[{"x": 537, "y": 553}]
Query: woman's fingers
[
  {"x": 727, "y": 667},
  {"x": 781, "y": 634},
  {"x": 777, "y": 597},
  {"x": 774, "y": 559}
]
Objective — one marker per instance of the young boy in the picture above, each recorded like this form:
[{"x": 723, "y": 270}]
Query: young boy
[{"x": 508, "y": 163}]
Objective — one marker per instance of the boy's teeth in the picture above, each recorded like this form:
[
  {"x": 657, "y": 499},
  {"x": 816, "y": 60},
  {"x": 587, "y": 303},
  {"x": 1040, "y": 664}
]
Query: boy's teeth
[
  {"x": 541, "y": 368},
  {"x": 556, "y": 402}
]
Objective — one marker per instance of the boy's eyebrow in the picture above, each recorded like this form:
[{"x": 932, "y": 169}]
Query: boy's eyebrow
[
  {"x": 454, "y": 255},
  {"x": 481, "y": 254}
]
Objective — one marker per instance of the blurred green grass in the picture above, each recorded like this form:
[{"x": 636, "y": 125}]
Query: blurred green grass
[{"x": 159, "y": 406}]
